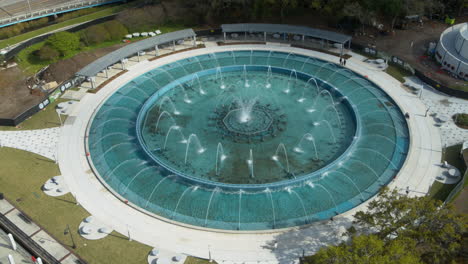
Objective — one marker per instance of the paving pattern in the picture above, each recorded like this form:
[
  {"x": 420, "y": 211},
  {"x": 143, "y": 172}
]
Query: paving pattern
[
  {"x": 277, "y": 246},
  {"x": 280, "y": 247},
  {"x": 443, "y": 105},
  {"x": 41, "y": 141}
]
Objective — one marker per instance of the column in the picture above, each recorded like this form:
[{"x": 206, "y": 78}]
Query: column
[
  {"x": 264, "y": 36},
  {"x": 138, "y": 56},
  {"x": 303, "y": 38},
  {"x": 156, "y": 50},
  {"x": 173, "y": 45},
  {"x": 224, "y": 36},
  {"x": 106, "y": 72},
  {"x": 194, "y": 41}
]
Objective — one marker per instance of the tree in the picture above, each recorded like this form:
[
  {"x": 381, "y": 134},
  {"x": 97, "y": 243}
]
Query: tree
[
  {"x": 64, "y": 42},
  {"x": 47, "y": 53},
  {"x": 115, "y": 29},
  {"x": 368, "y": 249},
  {"x": 95, "y": 34},
  {"x": 435, "y": 228},
  {"x": 392, "y": 9}
]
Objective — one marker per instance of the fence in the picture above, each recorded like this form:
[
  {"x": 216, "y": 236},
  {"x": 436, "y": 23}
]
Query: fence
[
  {"x": 461, "y": 184},
  {"x": 26, "y": 242},
  {"x": 50, "y": 97},
  {"x": 58, "y": 9},
  {"x": 5, "y": 246},
  {"x": 406, "y": 66},
  {"x": 213, "y": 33},
  {"x": 13, "y": 52}
]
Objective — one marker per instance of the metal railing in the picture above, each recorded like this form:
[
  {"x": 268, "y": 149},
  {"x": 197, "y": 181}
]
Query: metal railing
[
  {"x": 25, "y": 241},
  {"x": 457, "y": 188},
  {"x": 61, "y": 8}
]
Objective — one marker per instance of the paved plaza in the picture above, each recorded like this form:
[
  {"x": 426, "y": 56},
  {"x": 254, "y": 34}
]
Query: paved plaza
[
  {"x": 67, "y": 145},
  {"x": 41, "y": 141},
  {"x": 418, "y": 173}
]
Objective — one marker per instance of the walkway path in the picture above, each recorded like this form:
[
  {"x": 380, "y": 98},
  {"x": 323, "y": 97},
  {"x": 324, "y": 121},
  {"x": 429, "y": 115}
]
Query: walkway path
[
  {"x": 418, "y": 173},
  {"x": 444, "y": 105},
  {"x": 40, "y": 141}
]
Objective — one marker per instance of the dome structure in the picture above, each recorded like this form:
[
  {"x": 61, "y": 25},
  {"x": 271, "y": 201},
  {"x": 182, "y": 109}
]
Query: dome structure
[{"x": 452, "y": 50}]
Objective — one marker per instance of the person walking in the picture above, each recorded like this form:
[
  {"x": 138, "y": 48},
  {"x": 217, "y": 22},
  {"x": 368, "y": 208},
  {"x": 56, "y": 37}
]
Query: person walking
[
  {"x": 344, "y": 62},
  {"x": 341, "y": 61}
]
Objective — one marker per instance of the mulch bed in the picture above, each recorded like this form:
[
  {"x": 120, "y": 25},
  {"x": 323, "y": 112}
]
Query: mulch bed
[
  {"x": 220, "y": 43},
  {"x": 107, "y": 81},
  {"x": 200, "y": 46}
]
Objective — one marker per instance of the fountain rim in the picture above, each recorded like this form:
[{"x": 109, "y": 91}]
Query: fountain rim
[
  {"x": 297, "y": 51},
  {"x": 315, "y": 175}
]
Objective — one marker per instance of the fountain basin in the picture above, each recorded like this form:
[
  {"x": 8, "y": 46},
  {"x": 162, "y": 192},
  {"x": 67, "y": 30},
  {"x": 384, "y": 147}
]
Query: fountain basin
[{"x": 172, "y": 182}]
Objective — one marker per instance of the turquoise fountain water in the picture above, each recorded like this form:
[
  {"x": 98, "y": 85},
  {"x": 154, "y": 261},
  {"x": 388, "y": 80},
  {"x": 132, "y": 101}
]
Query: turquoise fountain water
[{"x": 248, "y": 140}]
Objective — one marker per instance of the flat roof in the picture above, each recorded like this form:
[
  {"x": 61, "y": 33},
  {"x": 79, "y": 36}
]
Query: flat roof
[
  {"x": 281, "y": 28},
  {"x": 127, "y": 51},
  {"x": 448, "y": 39}
]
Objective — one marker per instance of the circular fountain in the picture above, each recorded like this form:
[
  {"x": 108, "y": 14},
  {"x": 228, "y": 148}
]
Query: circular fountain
[{"x": 248, "y": 140}]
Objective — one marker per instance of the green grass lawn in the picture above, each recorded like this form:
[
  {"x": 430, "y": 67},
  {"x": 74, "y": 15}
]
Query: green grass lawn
[
  {"x": 30, "y": 63},
  {"x": 193, "y": 260},
  {"x": 24, "y": 173},
  {"x": 398, "y": 73},
  {"x": 451, "y": 154},
  {"x": 103, "y": 13},
  {"x": 43, "y": 119}
]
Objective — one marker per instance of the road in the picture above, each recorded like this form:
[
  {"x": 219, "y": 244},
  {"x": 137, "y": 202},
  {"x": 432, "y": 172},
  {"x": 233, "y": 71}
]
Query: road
[{"x": 11, "y": 8}]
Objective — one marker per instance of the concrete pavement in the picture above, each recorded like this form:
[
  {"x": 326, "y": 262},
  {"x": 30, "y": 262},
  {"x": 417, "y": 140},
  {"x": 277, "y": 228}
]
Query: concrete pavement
[{"x": 418, "y": 173}]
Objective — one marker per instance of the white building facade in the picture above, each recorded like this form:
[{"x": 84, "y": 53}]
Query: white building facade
[{"x": 452, "y": 50}]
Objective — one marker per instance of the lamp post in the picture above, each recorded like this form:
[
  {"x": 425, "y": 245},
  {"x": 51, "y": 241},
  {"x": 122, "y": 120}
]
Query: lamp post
[
  {"x": 209, "y": 253},
  {"x": 427, "y": 110},
  {"x": 30, "y": 10},
  {"x": 59, "y": 116}
]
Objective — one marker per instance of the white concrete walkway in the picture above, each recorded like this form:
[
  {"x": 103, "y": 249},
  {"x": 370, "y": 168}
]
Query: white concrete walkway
[
  {"x": 444, "y": 105},
  {"x": 418, "y": 173},
  {"x": 40, "y": 141}
]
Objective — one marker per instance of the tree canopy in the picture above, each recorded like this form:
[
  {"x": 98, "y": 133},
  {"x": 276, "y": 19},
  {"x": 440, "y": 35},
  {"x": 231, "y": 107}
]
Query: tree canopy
[
  {"x": 404, "y": 230},
  {"x": 64, "y": 42},
  {"x": 366, "y": 11}
]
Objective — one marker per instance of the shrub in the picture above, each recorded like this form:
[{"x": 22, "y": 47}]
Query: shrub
[
  {"x": 47, "y": 53},
  {"x": 96, "y": 34},
  {"x": 20, "y": 28},
  {"x": 64, "y": 42},
  {"x": 142, "y": 19},
  {"x": 461, "y": 120},
  {"x": 115, "y": 29}
]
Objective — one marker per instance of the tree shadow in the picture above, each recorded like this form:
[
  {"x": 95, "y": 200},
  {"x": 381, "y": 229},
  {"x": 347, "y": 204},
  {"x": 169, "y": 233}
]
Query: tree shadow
[{"x": 291, "y": 245}]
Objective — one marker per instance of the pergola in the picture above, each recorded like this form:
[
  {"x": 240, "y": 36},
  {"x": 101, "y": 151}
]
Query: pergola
[
  {"x": 289, "y": 29},
  {"x": 136, "y": 48}
]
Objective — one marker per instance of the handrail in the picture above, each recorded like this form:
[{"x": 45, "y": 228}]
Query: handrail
[
  {"x": 67, "y": 7},
  {"x": 26, "y": 242}
]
